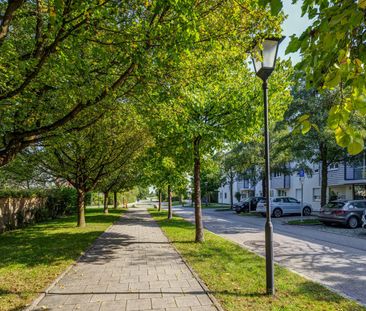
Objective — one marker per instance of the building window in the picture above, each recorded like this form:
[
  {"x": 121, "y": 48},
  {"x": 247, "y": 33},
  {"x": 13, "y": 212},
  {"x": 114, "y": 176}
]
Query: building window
[
  {"x": 225, "y": 195},
  {"x": 333, "y": 166},
  {"x": 298, "y": 194},
  {"x": 277, "y": 174},
  {"x": 316, "y": 194},
  {"x": 281, "y": 193},
  {"x": 316, "y": 168}
]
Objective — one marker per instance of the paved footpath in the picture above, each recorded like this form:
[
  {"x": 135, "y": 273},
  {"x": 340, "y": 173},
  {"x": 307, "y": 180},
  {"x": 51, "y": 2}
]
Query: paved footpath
[{"x": 131, "y": 266}]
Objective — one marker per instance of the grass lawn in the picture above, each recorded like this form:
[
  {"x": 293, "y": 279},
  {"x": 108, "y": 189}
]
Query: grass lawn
[
  {"x": 31, "y": 258},
  {"x": 236, "y": 277},
  {"x": 304, "y": 222},
  {"x": 216, "y": 205}
]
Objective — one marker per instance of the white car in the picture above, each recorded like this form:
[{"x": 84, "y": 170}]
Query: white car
[{"x": 284, "y": 206}]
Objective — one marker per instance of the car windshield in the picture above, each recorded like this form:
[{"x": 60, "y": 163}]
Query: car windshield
[
  {"x": 247, "y": 200},
  {"x": 334, "y": 205}
]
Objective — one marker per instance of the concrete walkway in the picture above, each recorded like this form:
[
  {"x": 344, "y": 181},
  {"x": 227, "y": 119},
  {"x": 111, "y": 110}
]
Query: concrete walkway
[{"x": 131, "y": 266}]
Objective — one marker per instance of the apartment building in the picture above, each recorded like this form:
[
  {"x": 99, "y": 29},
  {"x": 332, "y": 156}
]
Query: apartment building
[{"x": 346, "y": 180}]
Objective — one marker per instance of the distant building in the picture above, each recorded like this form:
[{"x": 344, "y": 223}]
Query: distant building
[{"x": 346, "y": 180}]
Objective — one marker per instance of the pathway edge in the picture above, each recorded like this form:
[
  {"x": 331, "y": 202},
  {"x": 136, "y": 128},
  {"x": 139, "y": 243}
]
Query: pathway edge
[
  {"x": 35, "y": 302},
  {"x": 202, "y": 284}
]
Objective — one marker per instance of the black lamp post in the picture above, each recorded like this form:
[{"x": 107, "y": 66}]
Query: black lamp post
[{"x": 264, "y": 63}]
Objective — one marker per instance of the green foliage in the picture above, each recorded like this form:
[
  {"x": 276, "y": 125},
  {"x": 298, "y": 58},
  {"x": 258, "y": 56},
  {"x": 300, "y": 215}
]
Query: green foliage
[
  {"x": 334, "y": 57},
  {"x": 63, "y": 61},
  {"x": 55, "y": 202}
]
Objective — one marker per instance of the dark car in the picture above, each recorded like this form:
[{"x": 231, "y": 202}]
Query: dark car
[
  {"x": 248, "y": 205},
  {"x": 346, "y": 212}
]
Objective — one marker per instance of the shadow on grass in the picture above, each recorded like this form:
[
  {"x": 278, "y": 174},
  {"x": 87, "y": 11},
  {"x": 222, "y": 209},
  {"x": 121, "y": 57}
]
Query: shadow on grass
[{"x": 55, "y": 240}]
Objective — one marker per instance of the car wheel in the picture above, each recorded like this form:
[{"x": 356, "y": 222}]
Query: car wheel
[
  {"x": 306, "y": 211},
  {"x": 352, "y": 222},
  {"x": 238, "y": 212},
  {"x": 277, "y": 213}
]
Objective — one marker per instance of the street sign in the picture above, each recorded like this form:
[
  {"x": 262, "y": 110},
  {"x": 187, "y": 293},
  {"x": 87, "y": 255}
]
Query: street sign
[{"x": 301, "y": 173}]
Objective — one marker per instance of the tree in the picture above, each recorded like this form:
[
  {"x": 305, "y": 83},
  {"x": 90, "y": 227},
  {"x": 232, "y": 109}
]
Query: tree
[
  {"x": 311, "y": 137},
  {"x": 85, "y": 158},
  {"x": 334, "y": 55},
  {"x": 216, "y": 108},
  {"x": 65, "y": 60}
]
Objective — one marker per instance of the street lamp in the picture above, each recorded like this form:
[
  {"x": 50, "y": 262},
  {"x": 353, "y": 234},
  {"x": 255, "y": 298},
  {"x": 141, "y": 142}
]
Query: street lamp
[{"x": 264, "y": 61}]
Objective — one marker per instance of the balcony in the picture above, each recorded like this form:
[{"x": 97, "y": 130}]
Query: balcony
[
  {"x": 355, "y": 173},
  {"x": 281, "y": 182}
]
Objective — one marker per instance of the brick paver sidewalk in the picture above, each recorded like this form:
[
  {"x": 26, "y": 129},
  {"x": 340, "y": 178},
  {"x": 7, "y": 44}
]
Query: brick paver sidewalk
[{"x": 130, "y": 267}]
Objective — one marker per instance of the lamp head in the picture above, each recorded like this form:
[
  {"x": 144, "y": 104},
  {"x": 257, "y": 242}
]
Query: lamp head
[{"x": 264, "y": 59}]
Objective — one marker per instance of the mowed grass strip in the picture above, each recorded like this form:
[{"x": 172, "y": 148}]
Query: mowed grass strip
[
  {"x": 236, "y": 277},
  {"x": 31, "y": 258}
]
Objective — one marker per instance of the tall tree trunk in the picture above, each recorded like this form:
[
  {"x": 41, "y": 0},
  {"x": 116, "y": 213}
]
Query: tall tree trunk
[
  {"x": 197, "y": 190},
  {"x": 105, "y": 206},
  {"x": 231, "y": 191},
  {"x": 115, "y": 201},
  {"x": 81, "y": 208},
  {"x": 170, "y": 209},
  {"x": 324, "y": 173},
  {"x": 159, "y": 208}
]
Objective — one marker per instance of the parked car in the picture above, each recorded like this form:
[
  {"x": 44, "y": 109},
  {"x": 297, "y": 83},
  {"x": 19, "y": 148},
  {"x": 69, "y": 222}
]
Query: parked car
[
  {"x": 284, "y": 206},
  {"x": 345, "y": 212},
  {"x": 364, "y": 219},
  {"x": 248, "y": 205}
]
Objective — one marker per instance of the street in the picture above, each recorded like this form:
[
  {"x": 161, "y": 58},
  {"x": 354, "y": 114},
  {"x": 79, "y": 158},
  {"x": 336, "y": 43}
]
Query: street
[{"x": 334, "y": 260}]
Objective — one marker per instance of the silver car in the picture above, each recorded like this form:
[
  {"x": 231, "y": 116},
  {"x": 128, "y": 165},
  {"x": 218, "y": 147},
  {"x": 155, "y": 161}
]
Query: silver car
[
  {"x": 284, "y": 206},
  {"x": 346, "y": 212}
]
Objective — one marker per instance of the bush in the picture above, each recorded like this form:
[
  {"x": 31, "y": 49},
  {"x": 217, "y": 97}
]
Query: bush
[
  {"x": 61, "y": 201},
  {"x": 54, "y": 203}
]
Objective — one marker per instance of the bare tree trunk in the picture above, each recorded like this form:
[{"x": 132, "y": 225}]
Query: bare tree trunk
[
  {"x": 81, "y": 208},
  {"x": 197, "y": 191},
  {"x": 324, "y": 174},
  {"x": 115, "y": 202},
  {"x": 159, "y": 209},
  {"x": 231, "y": 191},
  {"x": 105, "y": 206},
  {"x": 170, "y": 209}
]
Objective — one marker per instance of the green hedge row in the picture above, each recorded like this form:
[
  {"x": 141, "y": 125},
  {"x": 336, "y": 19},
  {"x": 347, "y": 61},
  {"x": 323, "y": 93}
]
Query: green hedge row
[{"x": 57, "y": 202}]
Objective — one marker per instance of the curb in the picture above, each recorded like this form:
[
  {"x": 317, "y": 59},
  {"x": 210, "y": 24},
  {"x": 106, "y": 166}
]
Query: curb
[
  {"x": 54, "y": 283},
  {"x": 202, "y": 284}
]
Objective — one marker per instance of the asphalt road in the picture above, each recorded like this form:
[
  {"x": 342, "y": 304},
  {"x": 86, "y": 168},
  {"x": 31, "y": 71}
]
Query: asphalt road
[{"x": 334, "y": 260}]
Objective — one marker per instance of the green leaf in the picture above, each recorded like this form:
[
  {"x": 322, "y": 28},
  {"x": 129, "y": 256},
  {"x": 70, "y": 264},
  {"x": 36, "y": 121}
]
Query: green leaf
[
  {"x": 306, "y": 126},
  {"x": 294, "y": 45},
  {"x": 276, "y": 6},
  {"x": 355, "y": 147},
  {"x": 303, "y": 117},
  {"x": 343, "y": 139},
  {"x": 333, "y": 79}
]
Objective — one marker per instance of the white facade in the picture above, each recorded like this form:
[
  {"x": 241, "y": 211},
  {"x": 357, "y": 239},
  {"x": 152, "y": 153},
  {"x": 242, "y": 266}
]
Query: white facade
[
  {"x": 345, "y": 181},
  {"x": 281, "y": 185}
]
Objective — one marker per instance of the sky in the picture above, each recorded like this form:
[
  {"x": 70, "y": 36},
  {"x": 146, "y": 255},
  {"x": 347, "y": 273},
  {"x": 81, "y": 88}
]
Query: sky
[{"x": 294, "y": 24}]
